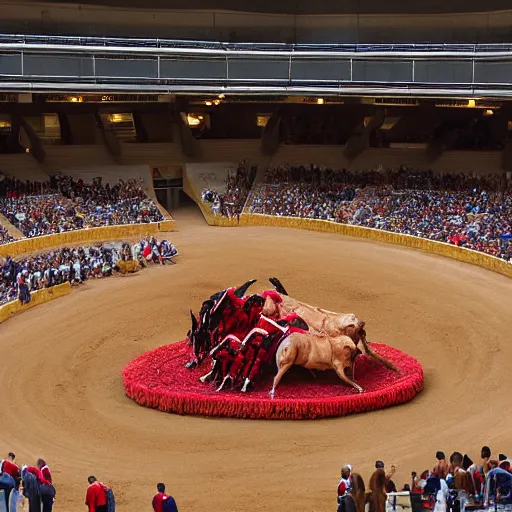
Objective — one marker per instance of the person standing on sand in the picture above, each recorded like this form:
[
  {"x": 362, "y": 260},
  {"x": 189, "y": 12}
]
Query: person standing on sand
[
  {"x": 345, "y": 481},
  {"x": 163, "y": 502},
  {"x": 96, "y": 497},
  {"x": 10, "y": 467},
  {"x": 46, "y": 488}
]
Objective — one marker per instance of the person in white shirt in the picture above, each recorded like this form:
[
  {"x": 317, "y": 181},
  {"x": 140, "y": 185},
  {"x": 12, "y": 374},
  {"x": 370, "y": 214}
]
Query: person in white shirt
[{"x": 345, "y": 482}]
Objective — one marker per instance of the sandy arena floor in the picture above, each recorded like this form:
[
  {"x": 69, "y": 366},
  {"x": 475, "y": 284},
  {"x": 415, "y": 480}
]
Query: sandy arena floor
[{"x": 62, "y": 397}]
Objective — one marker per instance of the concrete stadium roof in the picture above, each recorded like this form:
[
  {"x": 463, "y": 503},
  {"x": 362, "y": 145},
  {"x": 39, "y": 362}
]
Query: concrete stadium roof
[{"x": 308, "y": 6}]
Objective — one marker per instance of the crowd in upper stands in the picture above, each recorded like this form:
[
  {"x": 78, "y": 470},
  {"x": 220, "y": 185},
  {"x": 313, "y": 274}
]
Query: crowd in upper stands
[
  {"x": 450, "y": 485},
  {"x": 468, "y": 211},
  {"x": 64, "y": 203},
  {"x": 232, "y": 201},
  {"x": 18, "y": 278}
]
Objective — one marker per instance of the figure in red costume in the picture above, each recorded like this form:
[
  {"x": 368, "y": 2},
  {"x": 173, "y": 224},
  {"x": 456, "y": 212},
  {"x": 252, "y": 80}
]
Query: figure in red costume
[
  {"x": 215, "y": 321},
  {"x": 45, "y": 470},
  {"x": 239, "y": 317},
  {"x": 223, "y": 357},
  {"x": 263, "y": 351},
  {"x": 233, "y": 317},
  {"x": 249, "y": 347},
  {"x": 224, "y": 354},
  {"x": 10, "y": 467},
  {"x": 37, "y": 473}
]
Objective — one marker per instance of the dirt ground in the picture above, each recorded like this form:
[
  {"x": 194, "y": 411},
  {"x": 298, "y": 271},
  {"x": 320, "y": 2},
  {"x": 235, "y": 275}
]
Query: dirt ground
[{"x": 62, "y": 397}]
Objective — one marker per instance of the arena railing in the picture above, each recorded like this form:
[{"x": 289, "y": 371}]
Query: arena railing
[
  {"x": 38, "y": 297},
  {"x": 451, "y": 251},
  {"x": 84, "y": 236},
  {"x": 110, "y": 44},
  {"x": 76, "y": 64}
]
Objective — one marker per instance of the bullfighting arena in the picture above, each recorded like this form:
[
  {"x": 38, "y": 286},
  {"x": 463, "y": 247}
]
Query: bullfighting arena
[{"x": 63, "y": 398}]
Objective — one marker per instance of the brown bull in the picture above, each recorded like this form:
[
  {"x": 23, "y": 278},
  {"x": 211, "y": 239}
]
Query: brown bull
[
  {"x": 326, "y": 323},
  {"x": 316, "y": 352}
]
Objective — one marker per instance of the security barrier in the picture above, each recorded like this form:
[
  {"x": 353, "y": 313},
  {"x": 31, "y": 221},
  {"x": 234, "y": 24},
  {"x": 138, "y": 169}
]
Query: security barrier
[
  {"x": 28, "y": 245},
  {"x": 444, "y": 249},
  {"x": 38, "y": 297}
]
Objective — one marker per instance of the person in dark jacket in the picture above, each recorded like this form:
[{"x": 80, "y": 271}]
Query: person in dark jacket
[
  {"x": 46, "y": 488},
  {"x": 7, "y": 484},
  {"x": 31, "y": 490}
]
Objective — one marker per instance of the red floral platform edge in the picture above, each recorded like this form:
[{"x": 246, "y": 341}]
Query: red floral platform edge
[{"x": 159, "y": 380}]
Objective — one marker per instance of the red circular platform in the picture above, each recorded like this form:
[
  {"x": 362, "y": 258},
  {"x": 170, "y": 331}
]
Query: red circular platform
[{"x": 159, "y": 380}]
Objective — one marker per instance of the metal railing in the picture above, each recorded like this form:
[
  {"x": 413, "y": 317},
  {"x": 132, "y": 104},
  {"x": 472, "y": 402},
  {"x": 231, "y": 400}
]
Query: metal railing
[
  {"x": 38, "y": 43},
  {"x": 57, "y": 63}
]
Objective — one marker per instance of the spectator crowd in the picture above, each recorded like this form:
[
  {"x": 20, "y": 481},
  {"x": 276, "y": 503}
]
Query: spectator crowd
[
  {"x": 232, "y": 201},
  {"x": 21, "y": 485},
  {"x": 452, "y": 484},
  {"x": 64, "y": 204},
  {"x": 32, "y": 486},
  {"x": 18, "y": 278},
  {"x": 468, "y": 211}
]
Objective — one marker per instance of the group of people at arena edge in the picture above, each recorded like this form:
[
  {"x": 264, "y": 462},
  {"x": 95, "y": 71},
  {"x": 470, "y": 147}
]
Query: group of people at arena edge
[
  {"x": 33, "y": 484},
  {"x": 20, "y": 485},
  {"x": 452, "y": 484},
  {"x": 20, "y": 277}
]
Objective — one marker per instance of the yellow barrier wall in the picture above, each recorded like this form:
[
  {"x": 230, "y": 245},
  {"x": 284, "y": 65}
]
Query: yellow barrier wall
[
  {"x": 444, "y": 249},
  {"x": 38, "y": 297},
  {"x": 28, "y": 245}
]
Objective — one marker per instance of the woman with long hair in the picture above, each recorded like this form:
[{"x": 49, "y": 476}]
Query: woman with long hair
[
  {"x": 376, "y": 498},
  {"x": 353, "y": 500}
]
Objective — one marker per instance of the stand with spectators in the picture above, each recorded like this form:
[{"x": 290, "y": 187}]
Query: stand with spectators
[
  {"x": 231, "y": 203},
  {"x": 20, "y": 277},
  {"x": 65, "y": 204},
  {"x": 468, "y": 211}
]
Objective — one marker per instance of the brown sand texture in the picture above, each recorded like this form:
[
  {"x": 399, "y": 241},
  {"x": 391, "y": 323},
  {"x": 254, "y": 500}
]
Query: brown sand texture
[{"x": 62, "y": 397}]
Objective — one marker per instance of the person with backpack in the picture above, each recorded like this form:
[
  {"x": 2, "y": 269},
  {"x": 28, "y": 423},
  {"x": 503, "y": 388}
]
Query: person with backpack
[
  {"x": 99, "y": 497},
  {"x": 163, "y": 502}
]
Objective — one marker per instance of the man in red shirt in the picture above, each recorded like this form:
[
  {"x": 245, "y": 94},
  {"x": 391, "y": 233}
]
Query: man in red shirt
[
  {"x": 45, "y": 470},
  {"x": 96, "y": 497},
  {"x": 163, "y": 502},
  {"x": 37, "y": 473},
  {"x": 10, "y": 467}
]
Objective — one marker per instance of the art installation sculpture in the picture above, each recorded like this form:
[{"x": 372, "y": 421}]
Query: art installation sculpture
[
  {"x": 240, "y": 346},
  {"x": 244, "y": 334}
]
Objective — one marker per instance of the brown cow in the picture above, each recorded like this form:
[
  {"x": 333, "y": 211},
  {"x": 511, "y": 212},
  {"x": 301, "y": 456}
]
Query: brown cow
[
  {"x": 326, "y": 323},
  {"x": 316, "y": 352}
]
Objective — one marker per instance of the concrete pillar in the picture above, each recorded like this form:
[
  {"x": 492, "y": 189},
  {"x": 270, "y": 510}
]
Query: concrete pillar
[{"x": 176, "y": 197}]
